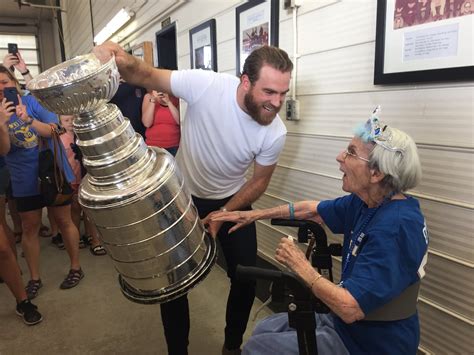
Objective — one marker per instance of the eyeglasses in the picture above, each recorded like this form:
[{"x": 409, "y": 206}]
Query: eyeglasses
[{"x": 346, "y": 153}]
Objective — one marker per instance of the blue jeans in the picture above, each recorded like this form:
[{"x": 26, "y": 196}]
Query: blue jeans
[{"x": 273, "y": 335}]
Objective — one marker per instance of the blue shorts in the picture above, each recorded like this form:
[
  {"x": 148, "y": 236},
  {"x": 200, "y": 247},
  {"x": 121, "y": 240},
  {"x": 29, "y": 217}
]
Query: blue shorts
[{"x": 4, "y": 180}]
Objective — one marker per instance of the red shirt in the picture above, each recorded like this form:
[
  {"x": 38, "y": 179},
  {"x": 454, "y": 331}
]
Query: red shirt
[{"x": 164, "y": 132}]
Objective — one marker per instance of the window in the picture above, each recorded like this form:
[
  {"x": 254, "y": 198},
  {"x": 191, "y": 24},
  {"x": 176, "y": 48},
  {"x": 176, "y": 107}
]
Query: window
[{"x": 28, "y": 48}]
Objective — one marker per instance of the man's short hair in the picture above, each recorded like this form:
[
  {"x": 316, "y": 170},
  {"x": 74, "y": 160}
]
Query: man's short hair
[{"x": 266, "y": 55}]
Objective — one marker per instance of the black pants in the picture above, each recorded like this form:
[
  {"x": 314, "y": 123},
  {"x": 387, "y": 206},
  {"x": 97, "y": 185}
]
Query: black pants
[{"x": 240, "y": 247}]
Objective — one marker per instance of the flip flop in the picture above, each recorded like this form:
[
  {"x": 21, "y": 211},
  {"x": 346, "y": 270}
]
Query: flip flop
[{"x": 98, "y": 250}]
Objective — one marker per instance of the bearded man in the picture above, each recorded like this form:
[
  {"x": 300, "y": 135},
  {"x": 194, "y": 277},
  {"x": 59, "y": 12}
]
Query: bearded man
[{"x": 229, "y": 124}]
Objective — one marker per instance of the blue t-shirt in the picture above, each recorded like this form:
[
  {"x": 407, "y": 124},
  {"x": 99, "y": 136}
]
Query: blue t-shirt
[
  {"x": 22, "y": 159},
  {"x": 390, "y": 258}
]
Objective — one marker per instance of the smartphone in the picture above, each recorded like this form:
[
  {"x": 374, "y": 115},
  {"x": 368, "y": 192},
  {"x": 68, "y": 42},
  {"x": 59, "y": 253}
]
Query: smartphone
[
  {"x": 12, "y": 48},
  {"x": 11, "y": 94}
]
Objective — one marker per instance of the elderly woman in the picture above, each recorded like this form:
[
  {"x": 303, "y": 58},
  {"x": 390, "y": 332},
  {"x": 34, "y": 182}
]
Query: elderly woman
[
  {"x": 20, "y": 128},
  {"x": 373, "y": 308}
]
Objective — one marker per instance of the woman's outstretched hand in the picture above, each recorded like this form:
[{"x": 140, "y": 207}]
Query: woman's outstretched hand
[{"x": 240, "y": 218}]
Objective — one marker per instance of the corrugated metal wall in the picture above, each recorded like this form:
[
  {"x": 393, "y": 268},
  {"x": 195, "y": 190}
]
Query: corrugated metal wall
[{"x": 336, "y": 41}]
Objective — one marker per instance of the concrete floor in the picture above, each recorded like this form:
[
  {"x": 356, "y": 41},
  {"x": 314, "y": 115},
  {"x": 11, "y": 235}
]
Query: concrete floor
[{"x": 94, "y": 317}]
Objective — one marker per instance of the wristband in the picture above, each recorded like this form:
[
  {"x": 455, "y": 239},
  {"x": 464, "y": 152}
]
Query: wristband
[
  {"x": 30, "y": 121},
  {"x": 291, "y": 207},
  {"x": 26, "y": 72}
]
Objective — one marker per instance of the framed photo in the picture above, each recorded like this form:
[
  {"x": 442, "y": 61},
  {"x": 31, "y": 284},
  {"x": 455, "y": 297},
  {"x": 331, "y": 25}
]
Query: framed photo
[
  {"x": 423, "y": 41},
  {"x": 202, "y": 44},
  {"x": 256, "y": 24}
]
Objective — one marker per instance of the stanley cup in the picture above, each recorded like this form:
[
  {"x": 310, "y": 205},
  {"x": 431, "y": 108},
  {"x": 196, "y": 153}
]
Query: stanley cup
[{"x": 134, "y": 194}]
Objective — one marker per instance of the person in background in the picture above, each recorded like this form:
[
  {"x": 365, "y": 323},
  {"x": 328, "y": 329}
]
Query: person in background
[
  {"x": 230, "y": 124},
  {"x": 22, "y": 127},
  {"x": 160, "y": 116},
  {"x": 373, "y": 308},
  {"x": 4, "y": 182},
  {"x": 16, "y": 61},
  {"x": 129, "y": 99},
  {"x": 10, "y": 273},
  {"x": 68, "y": 140}
]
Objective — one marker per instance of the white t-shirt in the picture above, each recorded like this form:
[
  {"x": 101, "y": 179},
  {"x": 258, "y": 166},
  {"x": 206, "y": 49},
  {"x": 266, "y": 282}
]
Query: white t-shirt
[{"x": 219, "y": 141}]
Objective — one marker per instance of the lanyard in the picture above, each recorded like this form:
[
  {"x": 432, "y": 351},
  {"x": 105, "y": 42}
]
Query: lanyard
[{"x": 358, "y": 238}]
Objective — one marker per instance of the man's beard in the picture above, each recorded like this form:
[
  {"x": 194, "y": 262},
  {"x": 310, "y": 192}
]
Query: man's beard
[{"x": 258, "y": 112}]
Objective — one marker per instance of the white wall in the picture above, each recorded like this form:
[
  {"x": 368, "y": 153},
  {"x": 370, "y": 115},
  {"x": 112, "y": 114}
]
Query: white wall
[{"x": 334, "y": 86}]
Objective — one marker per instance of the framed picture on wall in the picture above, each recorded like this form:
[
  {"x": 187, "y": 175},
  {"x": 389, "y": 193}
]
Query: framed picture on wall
[
  {"x": 202, "y": 44},
  {"x": 256, "y": 24},
  {"x": 423, "y": 41}
]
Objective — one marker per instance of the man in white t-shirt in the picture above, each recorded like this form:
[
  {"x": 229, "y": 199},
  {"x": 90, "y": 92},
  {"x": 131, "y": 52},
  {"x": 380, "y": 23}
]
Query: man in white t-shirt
[{"x": 229, "y": 125}]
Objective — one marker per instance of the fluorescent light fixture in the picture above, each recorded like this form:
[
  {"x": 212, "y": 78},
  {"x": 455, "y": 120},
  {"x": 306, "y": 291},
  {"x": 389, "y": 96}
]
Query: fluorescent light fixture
[{"x": 120, "y": 19}]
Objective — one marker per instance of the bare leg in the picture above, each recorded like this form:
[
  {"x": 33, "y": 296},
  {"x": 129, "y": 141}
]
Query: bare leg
[
  {"x": 6, "y": 228},
  {"x": 52, "y": 223},
  {"x": 30, "y": 222},
  {"x": 62, "y": 215},
  {"x": 9, "y": 270},
  {"x": 15, "y": 217}
]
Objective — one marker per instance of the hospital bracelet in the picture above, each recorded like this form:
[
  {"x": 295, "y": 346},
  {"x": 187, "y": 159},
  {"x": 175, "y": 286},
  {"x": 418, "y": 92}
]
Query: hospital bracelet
[
  {"x": 291, "y": 207},
  {"x": 315, "y": 280}
]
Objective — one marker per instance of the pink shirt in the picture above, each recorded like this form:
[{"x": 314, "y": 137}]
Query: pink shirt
[{"x": 67, "y": 139}]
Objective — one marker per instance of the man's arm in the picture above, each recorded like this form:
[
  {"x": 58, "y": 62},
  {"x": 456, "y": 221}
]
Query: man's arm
[
  {"x": 133, "y": 70},
  {"x": 248, "y": 194},
  {"x": 253, "y": 188}
]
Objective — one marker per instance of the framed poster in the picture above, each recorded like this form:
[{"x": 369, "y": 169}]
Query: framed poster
[
  {"x": 423, "y": 41},
  {"x": 256, "y": 25},
  {"x": 202, "y": 44}
]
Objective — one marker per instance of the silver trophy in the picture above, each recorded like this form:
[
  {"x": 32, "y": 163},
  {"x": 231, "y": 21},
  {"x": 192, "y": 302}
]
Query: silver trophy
[{"x": 134, "y": 194}]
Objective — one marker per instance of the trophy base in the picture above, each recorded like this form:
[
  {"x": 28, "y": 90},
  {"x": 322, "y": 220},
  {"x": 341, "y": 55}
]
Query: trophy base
[{"x": 170, "y": 293}]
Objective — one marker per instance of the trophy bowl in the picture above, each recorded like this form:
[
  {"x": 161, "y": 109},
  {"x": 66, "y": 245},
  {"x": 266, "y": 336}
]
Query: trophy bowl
[{"x": 79, "y": 85}]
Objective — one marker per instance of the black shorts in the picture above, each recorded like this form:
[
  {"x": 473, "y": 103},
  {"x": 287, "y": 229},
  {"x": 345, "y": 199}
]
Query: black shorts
[
  {"x": 4, "y": 180},
  {"x": 32, "y": 203}
]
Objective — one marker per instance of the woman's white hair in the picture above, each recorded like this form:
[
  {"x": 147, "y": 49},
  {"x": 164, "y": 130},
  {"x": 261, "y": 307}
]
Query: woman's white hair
[{"x": 398, "y": 159}]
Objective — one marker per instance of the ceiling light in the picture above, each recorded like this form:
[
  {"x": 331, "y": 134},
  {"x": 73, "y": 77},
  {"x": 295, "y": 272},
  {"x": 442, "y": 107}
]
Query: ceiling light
[{"x": 120, "y": 19}]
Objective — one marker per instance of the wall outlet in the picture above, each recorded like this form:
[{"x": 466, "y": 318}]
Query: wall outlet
[{"x": 292, "y": 110}]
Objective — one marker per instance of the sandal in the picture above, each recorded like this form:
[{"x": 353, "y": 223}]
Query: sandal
[
  {"x": 44, "y": 232},
  {"x": 72, "y": 279},
  {"x": 85, "y": 240},
  {"x": 98, "y": 250},
  {"x": 32, "y": 288}
]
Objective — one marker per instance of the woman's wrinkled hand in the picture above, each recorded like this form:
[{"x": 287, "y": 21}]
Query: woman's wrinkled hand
[
  {"x": 289, "y": 254},
  {"x": 240, "y": 218},
  {"x": 213, "y": 226}
]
